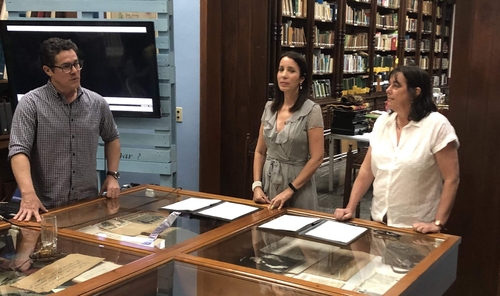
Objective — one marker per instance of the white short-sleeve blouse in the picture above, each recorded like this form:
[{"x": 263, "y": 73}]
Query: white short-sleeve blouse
[{"x": 408, "y": 182}]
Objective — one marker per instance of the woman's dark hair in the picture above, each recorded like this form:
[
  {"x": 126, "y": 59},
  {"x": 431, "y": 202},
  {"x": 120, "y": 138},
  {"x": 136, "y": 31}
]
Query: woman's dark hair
[
  {"x": 279, "y": 97},
  {"x": 421, "y": 105},
  {"x": 52, "y": 47}
]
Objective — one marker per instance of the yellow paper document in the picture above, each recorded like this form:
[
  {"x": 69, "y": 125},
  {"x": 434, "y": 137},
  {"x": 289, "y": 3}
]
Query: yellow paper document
[{"x": 57, "y": 273}]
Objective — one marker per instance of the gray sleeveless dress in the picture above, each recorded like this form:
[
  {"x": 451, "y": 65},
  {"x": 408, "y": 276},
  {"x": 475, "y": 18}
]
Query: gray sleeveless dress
[{"x": 288, "y": 152}]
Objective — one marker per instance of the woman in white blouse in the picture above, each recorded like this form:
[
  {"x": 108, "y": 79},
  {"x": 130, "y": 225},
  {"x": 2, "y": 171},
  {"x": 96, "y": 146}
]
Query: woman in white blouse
[{"x": 412, "y": 160}]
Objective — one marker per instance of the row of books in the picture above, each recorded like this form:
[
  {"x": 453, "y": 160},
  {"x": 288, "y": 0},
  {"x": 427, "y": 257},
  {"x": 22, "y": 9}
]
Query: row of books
[
  {"x": 424, "y": 62},
  {"x": 324, "y": 38},
  {"x": 425, "y": 45},
  {"x": 440, "y": 46},
  {"x": 387, "y": 21},
  {"x": 412, "y": 5},
  {"x": 409, "y": 61},
  {"x": 426, "y": 26},
  {"x": 439, "y": 31},
  {"x": 322, "y": 63},
  {"x": 389, "y": 3},
  {"x": 356, "y": 42},
  {"x": 294, "y": 8},
  {"x": 292, "y": 36},
  {"x": 411, "y": 24},
  {"x": 439, "y": 13},
  {"x": 325, "y": 11},
  {"x": 357, "y": 16},
  {"x": 410, "y": 43},
  {"x": 442, "y": 63},
  {"x": 355, "y": 63},
  {"x": 427, "y": 7},
  {"x": 322, "y": 88},
  {"x": 386, "y": 41},
  {"x": 380, "y": 61},
  {"x": 352, "y": 82},
  {"x": 440, "y": 80},
  {"x": 5, "y": 118}
]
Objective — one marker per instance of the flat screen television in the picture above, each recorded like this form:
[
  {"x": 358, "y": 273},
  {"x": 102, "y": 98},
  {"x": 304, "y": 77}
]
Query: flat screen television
[{"x": 119, "y": 60}]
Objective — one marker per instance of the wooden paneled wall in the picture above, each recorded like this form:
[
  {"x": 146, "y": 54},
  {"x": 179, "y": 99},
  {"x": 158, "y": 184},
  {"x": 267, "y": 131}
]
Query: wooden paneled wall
[
  {"x": 474, "y": 112},
  {"x": 234, "y": 68}
]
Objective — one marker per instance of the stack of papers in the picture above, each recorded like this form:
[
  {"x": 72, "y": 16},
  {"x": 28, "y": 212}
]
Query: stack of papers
[
  {"x": 228, "y": 211},
  {"x": 336, "y": 232},
  {"x": 191, "y": 204},
  {"x": 290, "y": 223},
  {"x": 328, "y": 230},
  {"x": 212, "y": 208}
]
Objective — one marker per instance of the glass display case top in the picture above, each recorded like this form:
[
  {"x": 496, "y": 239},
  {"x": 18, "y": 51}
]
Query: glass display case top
[
  {"x": 134, "y": 216},
  {"x": 27, "y": 269},
  {"x": 182, "y": 279},
  {"x": 372, "y": 263}
]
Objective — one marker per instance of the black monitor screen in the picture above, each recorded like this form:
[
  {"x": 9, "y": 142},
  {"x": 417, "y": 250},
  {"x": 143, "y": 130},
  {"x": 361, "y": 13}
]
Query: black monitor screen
[{"x": 119, "y": 60}]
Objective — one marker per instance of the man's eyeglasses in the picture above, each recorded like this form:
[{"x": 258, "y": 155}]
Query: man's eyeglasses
[{"x": 66, "y": 68}]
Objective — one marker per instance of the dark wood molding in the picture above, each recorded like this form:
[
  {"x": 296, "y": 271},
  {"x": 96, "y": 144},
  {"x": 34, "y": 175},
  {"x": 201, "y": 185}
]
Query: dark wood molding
[
  {"x": 210, "y": 94},
  {"x": 474, "y": 108},
  {"x": 235, "y": 41}
]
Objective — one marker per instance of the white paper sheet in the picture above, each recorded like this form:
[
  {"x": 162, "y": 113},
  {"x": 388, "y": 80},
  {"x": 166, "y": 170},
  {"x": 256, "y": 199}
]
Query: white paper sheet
[
  {"x": 228, "y": 210},
  {"x": 191, "y": 204},
  {"x": 102, "y": 268},
  {"x": 140, "y": 239},
  {"x": 336, "y": 232},
  {"x": 289, "y": 223}
]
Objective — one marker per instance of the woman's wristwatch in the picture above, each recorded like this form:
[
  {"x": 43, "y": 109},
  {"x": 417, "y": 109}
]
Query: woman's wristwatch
[{"x": 439, "y": 224}]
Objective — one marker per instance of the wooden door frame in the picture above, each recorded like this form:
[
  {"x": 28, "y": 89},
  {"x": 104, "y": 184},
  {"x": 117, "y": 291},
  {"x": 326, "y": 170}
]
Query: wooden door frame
[{"x": 210, "y": 95}]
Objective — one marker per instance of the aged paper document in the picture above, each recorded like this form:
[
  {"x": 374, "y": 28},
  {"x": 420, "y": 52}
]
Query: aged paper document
[
  {"x": 57, "y": 273},
  {"x": 97, "y": 270}
]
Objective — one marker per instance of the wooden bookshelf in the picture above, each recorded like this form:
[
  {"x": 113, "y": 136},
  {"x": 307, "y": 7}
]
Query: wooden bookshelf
[
  {"x": 368, "y": 39},
  {"x": 235, "y": 87}
]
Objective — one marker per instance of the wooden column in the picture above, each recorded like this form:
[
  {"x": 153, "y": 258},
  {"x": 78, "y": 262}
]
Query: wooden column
[
  {"x": 210, "y": 94},
  {"x": 474, "y": 109},
  {"x": 235, "y": 38}
]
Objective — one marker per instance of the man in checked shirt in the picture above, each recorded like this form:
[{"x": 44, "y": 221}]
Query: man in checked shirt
[{"x": 55, "y": 133}]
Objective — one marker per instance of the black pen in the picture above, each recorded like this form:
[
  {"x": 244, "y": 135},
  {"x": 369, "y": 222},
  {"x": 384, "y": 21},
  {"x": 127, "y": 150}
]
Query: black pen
[{"x": 315, "y": 223}]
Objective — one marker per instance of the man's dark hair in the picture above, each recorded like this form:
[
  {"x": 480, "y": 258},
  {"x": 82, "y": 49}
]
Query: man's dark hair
[
  {"x": 422, "y": 105},
  {"x": 52, "y": 47}
]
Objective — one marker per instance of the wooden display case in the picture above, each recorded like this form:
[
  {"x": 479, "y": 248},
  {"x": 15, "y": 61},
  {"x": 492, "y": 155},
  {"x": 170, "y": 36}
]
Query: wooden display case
[
  {"x": 129, "y": 219},
  {"x": 231, "y": 258},
  {"x": 17, "y": 259}
]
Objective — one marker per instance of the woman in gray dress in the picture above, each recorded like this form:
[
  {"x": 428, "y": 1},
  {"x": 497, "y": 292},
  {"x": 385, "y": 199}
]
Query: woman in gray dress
[{"x": 290, "y": 144}]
